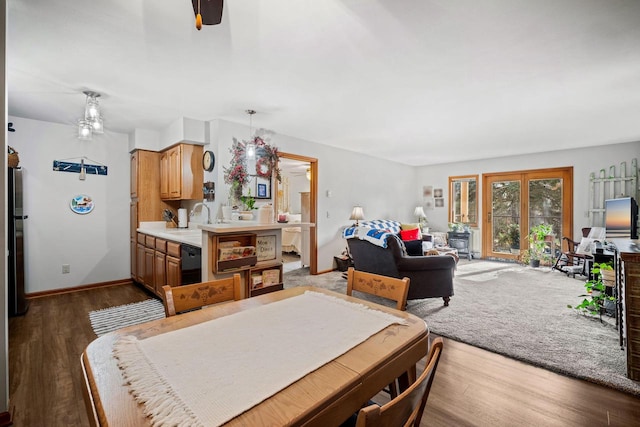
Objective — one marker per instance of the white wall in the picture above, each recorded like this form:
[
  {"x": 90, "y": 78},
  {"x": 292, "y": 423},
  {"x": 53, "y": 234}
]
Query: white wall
[
  {"x": 584, "y": 161},
  {"x": 95, "y": 245}
]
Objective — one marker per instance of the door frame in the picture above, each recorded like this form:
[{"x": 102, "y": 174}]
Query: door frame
[
  {"x": 313, "y": 202},
  {"x": 524, "y": 176}
]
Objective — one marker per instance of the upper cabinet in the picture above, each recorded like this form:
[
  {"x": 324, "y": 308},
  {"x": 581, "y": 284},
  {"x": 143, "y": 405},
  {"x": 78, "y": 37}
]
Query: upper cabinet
[{"x": 181, "y": 174}]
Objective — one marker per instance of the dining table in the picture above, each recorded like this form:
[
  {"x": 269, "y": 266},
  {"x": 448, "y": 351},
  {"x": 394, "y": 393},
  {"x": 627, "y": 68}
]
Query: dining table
[{"x": 356, "y": 369}]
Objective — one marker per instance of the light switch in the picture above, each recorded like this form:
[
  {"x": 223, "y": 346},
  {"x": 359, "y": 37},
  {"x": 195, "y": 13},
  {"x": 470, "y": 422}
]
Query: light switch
[{"x": 329, "y": 194}]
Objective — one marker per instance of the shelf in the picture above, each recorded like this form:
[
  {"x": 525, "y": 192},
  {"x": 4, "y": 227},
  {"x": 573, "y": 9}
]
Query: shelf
[
  {"x": 262, "y": 289},
  {"x": 237, "y": 264}
]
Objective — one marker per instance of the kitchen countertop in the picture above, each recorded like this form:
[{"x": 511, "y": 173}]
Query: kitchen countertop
[
  {"x": 189, "y": 236},
  {"x": 240, "y": 226}
]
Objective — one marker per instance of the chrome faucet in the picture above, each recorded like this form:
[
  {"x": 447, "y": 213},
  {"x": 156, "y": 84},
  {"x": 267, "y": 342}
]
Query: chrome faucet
[{"x": 204, "y": 206}]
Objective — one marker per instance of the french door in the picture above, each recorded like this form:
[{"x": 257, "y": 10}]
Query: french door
[{"x": 516, "y": 201}]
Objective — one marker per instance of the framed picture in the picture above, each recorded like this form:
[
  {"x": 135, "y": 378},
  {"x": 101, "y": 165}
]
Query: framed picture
[
  {"x": 439, "y": 202},
  {"x": 427, "y": 191},
  {"x": 438, "y": 193},
  {"x": 263, "y": 188},
  {"x": 428, "y": 203}
]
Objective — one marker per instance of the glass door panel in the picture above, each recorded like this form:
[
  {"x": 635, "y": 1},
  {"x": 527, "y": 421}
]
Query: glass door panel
[
  {"x": 505, "y": 217},
  {"x": 545, "y": 203}
]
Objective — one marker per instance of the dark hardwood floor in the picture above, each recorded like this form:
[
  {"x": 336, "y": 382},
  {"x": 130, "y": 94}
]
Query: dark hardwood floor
[{"x": 472, "y": 387}]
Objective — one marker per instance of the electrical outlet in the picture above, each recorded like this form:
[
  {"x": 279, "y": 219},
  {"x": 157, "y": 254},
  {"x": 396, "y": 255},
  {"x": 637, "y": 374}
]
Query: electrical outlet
[{"x": 66, "y": 268}]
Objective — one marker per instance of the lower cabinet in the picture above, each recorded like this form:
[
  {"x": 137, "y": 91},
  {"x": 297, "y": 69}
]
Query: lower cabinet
[{"x": 157, "y": 263}]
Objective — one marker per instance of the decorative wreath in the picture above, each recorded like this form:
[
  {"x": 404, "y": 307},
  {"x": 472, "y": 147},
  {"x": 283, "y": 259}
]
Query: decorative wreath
[{"x": 264, "y": 168}]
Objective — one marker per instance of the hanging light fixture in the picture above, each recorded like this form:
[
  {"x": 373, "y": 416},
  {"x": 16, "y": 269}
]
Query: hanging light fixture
[
  {"x": 92, "y": 121},
  {"x": 250, "y": 146},
  {"x": 84, "y": 130}
]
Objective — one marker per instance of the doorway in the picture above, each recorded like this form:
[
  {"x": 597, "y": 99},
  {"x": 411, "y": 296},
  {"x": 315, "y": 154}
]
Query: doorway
[
  {"x": 296, "y": 197},
  {"x": 516, "y": 201}
]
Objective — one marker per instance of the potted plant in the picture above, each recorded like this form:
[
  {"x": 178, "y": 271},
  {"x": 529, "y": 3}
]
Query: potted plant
[
  {"x": 537, "y": 244},
  {"x": 595, "y": 300},
  {"x": 248, "y": 204}
]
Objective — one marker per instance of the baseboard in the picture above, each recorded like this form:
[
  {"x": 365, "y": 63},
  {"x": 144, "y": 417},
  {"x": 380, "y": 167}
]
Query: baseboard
[
  {"x": 6, "y": 418},
  {"x": 77, "y": 289}
]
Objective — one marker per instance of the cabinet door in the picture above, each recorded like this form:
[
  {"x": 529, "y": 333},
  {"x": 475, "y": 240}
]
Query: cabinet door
[
  {"x": 173, "y": 271},
  {"x": 134, "y": 175},
  {"x": 133, "y": 220},
  {"x": 149, "y": 255},
  {"x": 134, "y": 270},
  {"x": 159, "y": 272},
  {"x": 164, "y": 176},
  {"x": 175, "y": 172},
  {"x": 140, "y": 263}
]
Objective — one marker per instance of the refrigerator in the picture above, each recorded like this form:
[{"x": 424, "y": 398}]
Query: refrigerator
[{"x": 17, "y": 300}]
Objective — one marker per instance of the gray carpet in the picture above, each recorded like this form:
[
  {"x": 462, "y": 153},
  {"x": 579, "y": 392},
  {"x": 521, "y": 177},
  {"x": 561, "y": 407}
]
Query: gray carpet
[{"x": 520, "y": 312}]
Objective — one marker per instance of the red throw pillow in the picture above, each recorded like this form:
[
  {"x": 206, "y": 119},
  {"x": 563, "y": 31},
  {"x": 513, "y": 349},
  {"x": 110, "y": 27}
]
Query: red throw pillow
[{"x": 407, "y": 235}]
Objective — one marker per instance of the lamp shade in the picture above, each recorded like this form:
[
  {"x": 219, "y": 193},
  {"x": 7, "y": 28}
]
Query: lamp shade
[
  {"x": 357, "y": 214},
  {"x": 419, "y": 212},
  {"x": 84, "y": 130}
]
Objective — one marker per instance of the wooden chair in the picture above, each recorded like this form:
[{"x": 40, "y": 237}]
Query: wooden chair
[
  {"x": 408, "y": 407},
  {"x": 188, "y": 297},
  {"x": 571, "y": 258},
  {"x": 382, "y": 286},
  {"x": 386, "y": 287}
]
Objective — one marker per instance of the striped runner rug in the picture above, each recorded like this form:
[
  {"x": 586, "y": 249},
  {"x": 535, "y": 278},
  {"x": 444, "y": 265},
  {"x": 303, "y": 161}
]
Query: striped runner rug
[{"x": 113, "y": 318}]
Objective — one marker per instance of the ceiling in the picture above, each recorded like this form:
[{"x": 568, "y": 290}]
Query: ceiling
[{"x": 414, "y": 81}]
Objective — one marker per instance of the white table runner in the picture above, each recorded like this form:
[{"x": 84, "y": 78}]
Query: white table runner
[{"x": 207, "y": 374}]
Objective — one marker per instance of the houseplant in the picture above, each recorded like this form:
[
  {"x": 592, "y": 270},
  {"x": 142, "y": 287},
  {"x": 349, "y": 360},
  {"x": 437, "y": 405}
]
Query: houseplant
[
  {"x": 595, "y": 299},
  {"x": 537, "y": 245}
]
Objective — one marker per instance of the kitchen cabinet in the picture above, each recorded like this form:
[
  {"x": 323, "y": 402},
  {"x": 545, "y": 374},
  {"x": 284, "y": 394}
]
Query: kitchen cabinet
[
  {"x": 181, "y": 173},
  {"x": 146, "y": 204},
  {"x": 145, "y": 193},
  {"x": 158, "y": 263}
]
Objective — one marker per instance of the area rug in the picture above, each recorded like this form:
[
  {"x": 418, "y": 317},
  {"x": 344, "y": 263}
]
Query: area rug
[
  {"x": 113, "y": 318},
  {"x": 520, "y": 312}
]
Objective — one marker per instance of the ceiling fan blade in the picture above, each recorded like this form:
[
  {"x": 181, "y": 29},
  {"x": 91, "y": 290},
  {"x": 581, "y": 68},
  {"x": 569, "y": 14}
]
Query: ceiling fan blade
[{"x": 211, "y": 11}]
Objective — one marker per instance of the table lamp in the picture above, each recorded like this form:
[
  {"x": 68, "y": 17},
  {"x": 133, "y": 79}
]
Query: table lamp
[
  {"x": 419, "y": 213},
  {"x": 357, "y": 214}
]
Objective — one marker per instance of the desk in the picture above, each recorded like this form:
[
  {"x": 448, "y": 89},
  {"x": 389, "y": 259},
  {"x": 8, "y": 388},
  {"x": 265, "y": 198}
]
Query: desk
[{"x": 324, "y": 397}]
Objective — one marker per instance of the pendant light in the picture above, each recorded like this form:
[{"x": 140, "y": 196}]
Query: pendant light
[
  {"x": 92, "y": 121},
  {"x": 199, "y": 18},
  {"x": 250, "y": 146}
]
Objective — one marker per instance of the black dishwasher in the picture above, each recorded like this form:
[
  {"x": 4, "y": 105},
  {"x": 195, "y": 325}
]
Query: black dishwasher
[{"x": 191, "y": 271}]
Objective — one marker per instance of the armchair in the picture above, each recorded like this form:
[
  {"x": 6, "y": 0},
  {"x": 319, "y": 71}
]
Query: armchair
[{"x": 430, "y": 276}]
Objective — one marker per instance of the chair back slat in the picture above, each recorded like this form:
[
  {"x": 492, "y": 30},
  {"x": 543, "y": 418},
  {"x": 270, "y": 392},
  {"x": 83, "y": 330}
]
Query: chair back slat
[
  {"x": 178, "y": 299},
  {"x": 408, "y": 407},
  {"x": 382, "y": 286}
]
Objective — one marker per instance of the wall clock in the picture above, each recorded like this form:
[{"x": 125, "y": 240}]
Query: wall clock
[{"x": 208, "y": 160}]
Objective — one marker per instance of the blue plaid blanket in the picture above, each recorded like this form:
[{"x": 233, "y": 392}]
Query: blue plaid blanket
[{"x": 375, "y": 231}]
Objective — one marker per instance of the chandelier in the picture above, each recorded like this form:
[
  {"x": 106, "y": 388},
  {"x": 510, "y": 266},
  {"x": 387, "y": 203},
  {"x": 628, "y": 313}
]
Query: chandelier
[{"x": 92, "y": 121}]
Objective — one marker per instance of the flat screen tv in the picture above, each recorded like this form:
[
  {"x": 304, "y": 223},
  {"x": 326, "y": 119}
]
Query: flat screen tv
[{"x": 621, "y": 218}]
